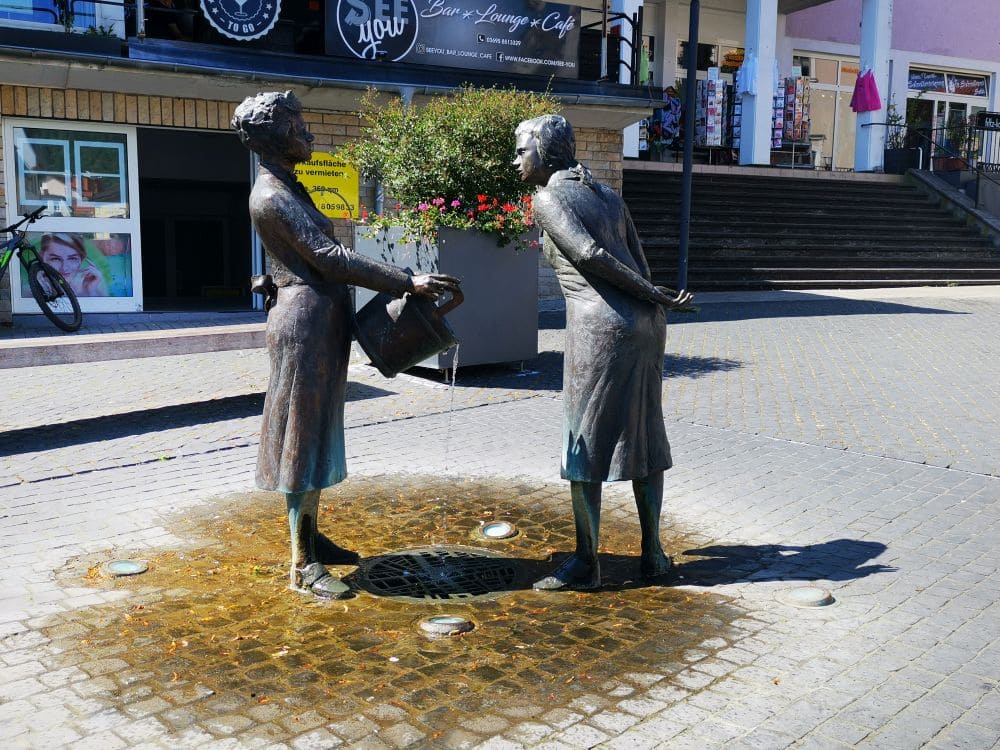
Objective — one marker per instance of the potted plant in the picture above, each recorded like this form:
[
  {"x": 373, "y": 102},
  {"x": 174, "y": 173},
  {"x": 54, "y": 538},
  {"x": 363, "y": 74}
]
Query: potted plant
[
  {"x": 454, "y": 204},
  {"x": 896, "y": 157}
]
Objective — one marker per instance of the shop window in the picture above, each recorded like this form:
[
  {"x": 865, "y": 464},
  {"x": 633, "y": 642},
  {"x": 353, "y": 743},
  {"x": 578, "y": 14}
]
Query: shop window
[
  {"x": 43, "y": 177},
  {"x": 85, "y": 178},
  {"x": 74, "y": 173},
  {"x": 67, "y": 13},
  {"x": 731, "y": 58},
  {"x": 804, "y": 64},
  {"x": 826, "y": 70},
  {"x": 101, "y": 174},
  {"x": 849, "y": 73},
  {"x": 707, "y": 56}
]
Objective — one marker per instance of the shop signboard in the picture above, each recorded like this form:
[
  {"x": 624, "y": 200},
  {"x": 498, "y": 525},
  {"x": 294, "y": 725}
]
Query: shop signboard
[
  {"x": 988, "y": 121},
  {"x": 967, "y": 85},
  {"x": 926, "y": 80},
  {"x": 525, "y": 37},
  {"x": 240, "y": 20},
  {"x": 333, "y": 185}
]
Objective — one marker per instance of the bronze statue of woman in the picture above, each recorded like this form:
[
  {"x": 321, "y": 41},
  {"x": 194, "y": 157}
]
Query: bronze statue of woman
[
  {"x": 615, "y": 339},
  {"x": 308, "y": 331}
]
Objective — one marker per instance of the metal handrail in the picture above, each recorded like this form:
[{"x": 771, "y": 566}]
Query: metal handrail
[
  {"x": 939, "y": 150},
  {"x": 633, "y": 41}
]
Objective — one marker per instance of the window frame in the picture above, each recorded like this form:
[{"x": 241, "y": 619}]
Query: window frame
[{"x": 128, "y": 225}]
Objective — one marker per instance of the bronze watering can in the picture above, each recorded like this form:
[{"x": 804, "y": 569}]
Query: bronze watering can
[{"x": 397, "y": 334}]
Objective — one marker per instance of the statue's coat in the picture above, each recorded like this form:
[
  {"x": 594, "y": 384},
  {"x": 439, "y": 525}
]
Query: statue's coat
[
  {"x": 615, "y": 336},
  {"x": 308, "y": 334}
]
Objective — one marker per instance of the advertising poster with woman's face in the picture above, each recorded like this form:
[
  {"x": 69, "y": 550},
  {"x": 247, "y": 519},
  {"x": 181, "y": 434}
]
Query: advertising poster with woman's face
[{"x": 96, "y": 264}]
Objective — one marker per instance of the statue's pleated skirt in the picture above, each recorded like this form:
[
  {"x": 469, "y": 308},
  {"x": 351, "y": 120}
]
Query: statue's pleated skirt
[
  {"x": 302, "y": 435},
  {"x": 612, "y": 385}
]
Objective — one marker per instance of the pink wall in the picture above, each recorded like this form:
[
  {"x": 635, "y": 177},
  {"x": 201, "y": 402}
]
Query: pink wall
[
  {"x": 961, "y": 28},
  {"x": 837, "y": 21}
]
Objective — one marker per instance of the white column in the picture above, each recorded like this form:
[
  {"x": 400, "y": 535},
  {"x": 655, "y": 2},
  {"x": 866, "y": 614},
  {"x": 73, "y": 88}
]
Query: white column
[
  {"x": 876, "y": 40},
  {"x": 628, "y": 8},
  {"x": 630, "y": 135},
  {"x": 666, "y": 40},
  {"x": 759, "y": 41}
]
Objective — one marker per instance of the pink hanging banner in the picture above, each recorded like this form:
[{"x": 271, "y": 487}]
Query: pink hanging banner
[{"x": 866, "y": 97}]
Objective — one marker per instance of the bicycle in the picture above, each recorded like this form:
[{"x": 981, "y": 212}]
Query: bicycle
[{"x": 50, "y": 289}]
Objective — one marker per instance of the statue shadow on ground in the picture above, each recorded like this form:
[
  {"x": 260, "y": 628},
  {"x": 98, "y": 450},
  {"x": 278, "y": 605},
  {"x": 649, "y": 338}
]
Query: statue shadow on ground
[
  {"x": 545, "y": 372},
  {"x": 795, "y": 305},
  {"x": 143, "y": 421},
  {"x": 393, "y": 573},
  {"x": 791, "y": 305},
  {"x": 835, "y": 560}
]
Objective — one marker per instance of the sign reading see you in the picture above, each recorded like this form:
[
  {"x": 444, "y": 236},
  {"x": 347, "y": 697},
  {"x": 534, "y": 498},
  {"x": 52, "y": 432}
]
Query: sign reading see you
[{"x": 332, "y": 184}]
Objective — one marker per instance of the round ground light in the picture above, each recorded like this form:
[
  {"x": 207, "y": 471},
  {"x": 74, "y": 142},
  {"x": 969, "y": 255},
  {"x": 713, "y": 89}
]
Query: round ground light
[
  {"x": 441, "y": 626},
  {"x": 497, "y": 530},
  {"x": 807, "y": 597},
  {"x": 125, "y": 567}
]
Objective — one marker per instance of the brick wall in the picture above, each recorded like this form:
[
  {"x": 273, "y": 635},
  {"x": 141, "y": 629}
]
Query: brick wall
[
  {"x": 599, "y": 149},
  {"x": 330, "y": 128}
]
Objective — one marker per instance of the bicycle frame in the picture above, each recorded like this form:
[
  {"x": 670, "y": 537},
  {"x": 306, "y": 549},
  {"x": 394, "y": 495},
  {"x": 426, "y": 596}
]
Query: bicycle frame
[{"x": 18, "y": 243}]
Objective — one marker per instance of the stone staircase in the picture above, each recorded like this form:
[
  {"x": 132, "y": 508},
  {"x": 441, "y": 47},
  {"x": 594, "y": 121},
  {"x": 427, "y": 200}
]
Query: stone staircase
[{"x": 753, "y": 231}]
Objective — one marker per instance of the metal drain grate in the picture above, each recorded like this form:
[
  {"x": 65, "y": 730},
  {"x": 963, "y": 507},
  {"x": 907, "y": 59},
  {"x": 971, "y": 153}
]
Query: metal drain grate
[{"x": 439, "y": 573}]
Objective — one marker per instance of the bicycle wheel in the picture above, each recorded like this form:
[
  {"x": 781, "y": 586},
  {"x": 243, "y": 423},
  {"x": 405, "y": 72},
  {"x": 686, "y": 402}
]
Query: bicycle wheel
[{"x": 54, "y": 295}]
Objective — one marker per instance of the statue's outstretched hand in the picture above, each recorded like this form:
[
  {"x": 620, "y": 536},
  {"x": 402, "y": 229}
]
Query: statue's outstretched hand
[
  {"x": 433, "y": 284},
  {"x": 672, "y": 299}
]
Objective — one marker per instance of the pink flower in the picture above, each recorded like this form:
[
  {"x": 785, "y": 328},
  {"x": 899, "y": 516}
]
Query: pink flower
[
  {"x": 438, "y": 201},
  {"x": 422, "y": 207},
  {"x": 456, "y": 203}
]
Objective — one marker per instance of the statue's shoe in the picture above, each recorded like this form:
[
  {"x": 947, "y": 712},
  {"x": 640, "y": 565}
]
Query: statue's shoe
[
  {"x": 317, "y": 579},
  {"x": 573, "y": 574},
  {"x": 332, "y": 553},
  {"x": 653, "y": 568}
]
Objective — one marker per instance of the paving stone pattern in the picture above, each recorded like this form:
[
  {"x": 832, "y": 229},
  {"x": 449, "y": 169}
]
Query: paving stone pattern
[{"x": 854, "y": 443}]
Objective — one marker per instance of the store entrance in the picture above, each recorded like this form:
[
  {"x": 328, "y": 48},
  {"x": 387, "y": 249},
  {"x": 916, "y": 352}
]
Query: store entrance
[{"x": 196, "y": 241}]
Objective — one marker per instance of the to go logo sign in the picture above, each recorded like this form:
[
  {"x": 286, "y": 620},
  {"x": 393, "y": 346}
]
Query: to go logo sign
[{"x": 377, "y": 29}]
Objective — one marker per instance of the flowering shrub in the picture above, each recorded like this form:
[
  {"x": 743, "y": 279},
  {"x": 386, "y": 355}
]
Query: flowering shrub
[{"x": 448, "y": 163}]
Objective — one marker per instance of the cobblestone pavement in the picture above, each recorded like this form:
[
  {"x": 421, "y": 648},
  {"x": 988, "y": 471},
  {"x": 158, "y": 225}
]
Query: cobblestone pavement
[{"x": 849, "y": 441}]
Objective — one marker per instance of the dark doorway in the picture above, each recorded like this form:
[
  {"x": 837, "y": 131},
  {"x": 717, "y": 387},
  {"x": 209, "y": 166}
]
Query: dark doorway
[{"x": 196, "y": 240}]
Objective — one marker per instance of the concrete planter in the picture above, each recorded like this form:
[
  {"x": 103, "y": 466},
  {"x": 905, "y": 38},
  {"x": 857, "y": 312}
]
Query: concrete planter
[
  {"x": 498, "y": 322},
  {"x": 898, "y": 160}
]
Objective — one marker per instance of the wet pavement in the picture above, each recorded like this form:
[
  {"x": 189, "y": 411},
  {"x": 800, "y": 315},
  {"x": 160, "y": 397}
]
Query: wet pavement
[
  {"x": 212, "y": 641},
  {"x": 848, "y": 443}
]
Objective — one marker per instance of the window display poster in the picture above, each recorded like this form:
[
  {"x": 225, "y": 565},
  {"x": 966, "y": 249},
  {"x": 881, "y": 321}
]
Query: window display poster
[
  {"x": 333, "y": 185},
  {"x": 514, "y": 36},
  {"x": 96, "y": 264}
]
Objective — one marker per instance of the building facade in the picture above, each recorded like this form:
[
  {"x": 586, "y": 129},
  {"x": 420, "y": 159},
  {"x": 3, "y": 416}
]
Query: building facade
[
  {"x": 115, "y": 116},
  {"x": 937, "y": 63},
  {"x": 123, "y": 133}
]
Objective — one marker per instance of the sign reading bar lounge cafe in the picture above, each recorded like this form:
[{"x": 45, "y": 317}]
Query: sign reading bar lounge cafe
[{"x": 527, "y": 37}]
